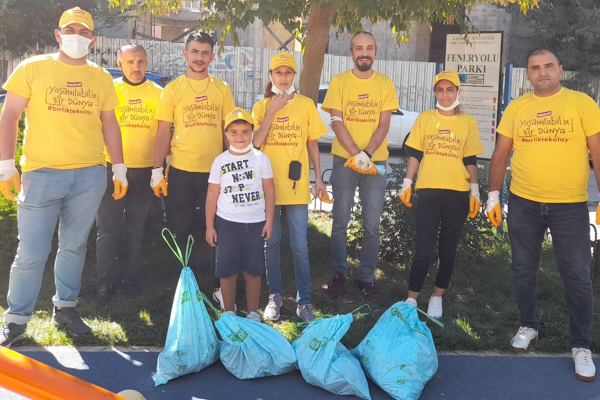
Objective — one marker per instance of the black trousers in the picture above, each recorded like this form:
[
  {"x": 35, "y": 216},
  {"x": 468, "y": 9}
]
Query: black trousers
[
  {"x": 121, "y": 227},
  {"x": 444, "y": 211}
]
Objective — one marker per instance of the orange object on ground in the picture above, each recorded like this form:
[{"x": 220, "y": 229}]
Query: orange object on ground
[{"x": 38, "y": 381}]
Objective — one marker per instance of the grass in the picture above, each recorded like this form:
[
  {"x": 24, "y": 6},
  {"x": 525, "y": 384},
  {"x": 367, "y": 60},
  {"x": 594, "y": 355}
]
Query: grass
[{"x": 480, "y": 311}]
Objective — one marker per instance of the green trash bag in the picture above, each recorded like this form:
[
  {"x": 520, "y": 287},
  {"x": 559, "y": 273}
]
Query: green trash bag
[
  {"x": 192, "y": 342},
  {"x": 253, "y": 350},
  {"x": 325, "y": 362},
  {"x": 398, "y": 353}
]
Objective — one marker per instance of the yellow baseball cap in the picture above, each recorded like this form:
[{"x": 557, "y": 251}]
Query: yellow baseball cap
[
  {"x": 283, "y": 59},
  {"x": 447, "y": 76},
  {"x": 76, "y": 16},
  {"x": 238, "y": 114}
]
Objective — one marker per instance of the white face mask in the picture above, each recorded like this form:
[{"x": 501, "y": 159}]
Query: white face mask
[
  {"x": 245, "y": 149},
  {"x": 276, "y": 90},
  {"x": 75, "y": 46},
  {"x": 452, "y": 107}
]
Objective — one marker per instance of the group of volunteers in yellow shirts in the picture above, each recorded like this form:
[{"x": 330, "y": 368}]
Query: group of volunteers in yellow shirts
[{"x": 79, "y": 122}]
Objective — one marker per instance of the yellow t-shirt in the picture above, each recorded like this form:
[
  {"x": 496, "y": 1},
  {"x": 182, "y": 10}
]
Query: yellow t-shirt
[
  {"x": 292, "y": 127},
  {"x": 64, "y": 129},
  {"x": 361, "y": 102},
  {"x": 445, "y": 142},
  {"x": 197, "y": 108},
  {"x": 135, "y": 113},
  {"x": 550, "y": 160}
]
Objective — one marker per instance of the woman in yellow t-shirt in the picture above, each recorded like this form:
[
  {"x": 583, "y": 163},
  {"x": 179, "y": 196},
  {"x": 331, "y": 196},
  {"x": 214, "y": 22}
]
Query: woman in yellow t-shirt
[
  {"x": 442, "y": 146},
  {"x": 287, "y": 128}
]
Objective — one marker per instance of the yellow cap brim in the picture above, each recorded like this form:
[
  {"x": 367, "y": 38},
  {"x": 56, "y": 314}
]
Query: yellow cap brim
[{"x": 77, "y": 22}]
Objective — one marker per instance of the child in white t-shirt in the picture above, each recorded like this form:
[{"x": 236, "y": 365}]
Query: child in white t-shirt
[{"x": 240, "y": 205}]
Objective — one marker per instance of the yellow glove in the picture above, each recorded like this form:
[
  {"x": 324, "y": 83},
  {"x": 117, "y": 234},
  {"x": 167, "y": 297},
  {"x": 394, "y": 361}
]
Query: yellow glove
[
  {"x": 598, "y": 215},
  {"x": 120, "y": 181},
  {"x": 493, "y": 209},
  {"x": 474, "y": 201},
  {"x": 361, "y": 163},
  {"x": 324, "y": 197},
  {"x": 406, "y": 192},
  {"x": 9, "y": 176},
  {"x": 158, "y": 182}
]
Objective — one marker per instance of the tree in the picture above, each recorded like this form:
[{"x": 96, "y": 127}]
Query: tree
[
  {"x": 28, "y": 25},
  {"x": 227, "y": 16}
]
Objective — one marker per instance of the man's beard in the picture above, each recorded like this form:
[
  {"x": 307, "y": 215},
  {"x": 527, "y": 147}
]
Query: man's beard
[
  {"x": 363, "y": 67},
  {"x": 198, "y": 71}
]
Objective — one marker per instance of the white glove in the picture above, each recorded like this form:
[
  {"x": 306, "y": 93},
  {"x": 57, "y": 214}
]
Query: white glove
[
  {"x": 493, "y": 200},
  {"x": 120, "y": 180},
  {"x": 406, "y": 184},
  {"x": 168, "y": 160},
  {"x": 7, "y": 169},
  {"x": 475, "y": 191},
  {"x": 363, "y": 161},
  {"x": 157, "y": 176}
]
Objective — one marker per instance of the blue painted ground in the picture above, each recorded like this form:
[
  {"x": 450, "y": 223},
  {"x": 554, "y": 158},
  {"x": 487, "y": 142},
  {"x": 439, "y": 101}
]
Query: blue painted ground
[{"x": 460, "y": 377}]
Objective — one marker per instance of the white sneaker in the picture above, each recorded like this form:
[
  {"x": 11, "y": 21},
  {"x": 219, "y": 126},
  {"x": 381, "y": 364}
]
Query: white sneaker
[
  {"x": 520, "y": 342},
  {"x": 272, "y": 311},
  {"x": 253, "y": 316},
  {"x": 434, "y": 309},
  {"x": 218, "y": 297},
  {"x": 584, "y": 365},
  {"x": 411, "y": 301}
]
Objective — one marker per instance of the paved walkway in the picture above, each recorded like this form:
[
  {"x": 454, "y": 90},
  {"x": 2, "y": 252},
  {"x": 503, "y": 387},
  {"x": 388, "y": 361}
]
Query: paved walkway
[{"x": 459, "y": 377}]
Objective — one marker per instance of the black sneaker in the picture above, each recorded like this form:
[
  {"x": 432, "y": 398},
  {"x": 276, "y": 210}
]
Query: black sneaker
[
  {"x": 69, "y": 319},
  {"x": 132, "y": 288},
  {"x": 103, "y": 294},
  {"x": 10, "y": 333}
]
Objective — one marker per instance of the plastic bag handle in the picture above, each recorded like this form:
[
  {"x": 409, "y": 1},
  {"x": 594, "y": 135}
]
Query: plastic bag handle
[
  {"x": 304, "y": 324},
  {"x": 362, "y": 314},
  {"x": 178, "y": 254},
  {"x": 209, "y": 303},
  {"x": 430, "y": 317}
]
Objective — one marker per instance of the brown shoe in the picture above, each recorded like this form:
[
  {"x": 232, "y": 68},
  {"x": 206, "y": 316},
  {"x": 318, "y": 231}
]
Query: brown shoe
[
  {"x": 336, "y": 286},
  {"x": 369, "y": 291}
]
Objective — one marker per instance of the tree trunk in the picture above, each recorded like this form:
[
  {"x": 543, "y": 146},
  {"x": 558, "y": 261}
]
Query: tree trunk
[{"x": 317, "y": 35}]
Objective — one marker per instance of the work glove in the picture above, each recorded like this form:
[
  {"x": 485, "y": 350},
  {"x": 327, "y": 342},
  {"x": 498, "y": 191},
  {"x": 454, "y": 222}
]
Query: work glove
[
  {"x": 120, "y": 181},
  {"x": 406, "y": 192},
  {"x": 9, "y": 176},
  {"x": 598, "y": 215},
  {"x": 474, "y": 201},
  {"x": 158, "y": 182},
  {"x": 492, "y": 208},
  {"x": 324, "y": 197},
  {"x": 361, "y": 163},
  {"x": 168, "y": 160}
]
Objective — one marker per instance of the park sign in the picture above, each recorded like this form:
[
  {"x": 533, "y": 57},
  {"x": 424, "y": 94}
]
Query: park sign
[{"x": 477, "y": 59}]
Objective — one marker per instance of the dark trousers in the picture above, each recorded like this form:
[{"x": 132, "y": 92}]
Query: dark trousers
[
  {"x": 121, "y": 227},
  {"x": 444, "y": 211},
  {"x": 569, "y": 227}
]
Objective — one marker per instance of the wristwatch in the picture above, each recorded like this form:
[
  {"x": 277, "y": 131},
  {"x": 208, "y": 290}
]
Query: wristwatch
[{"x": 369, "y": 152}]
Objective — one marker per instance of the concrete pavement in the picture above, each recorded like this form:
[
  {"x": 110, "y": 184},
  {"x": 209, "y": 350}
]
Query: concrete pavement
[{"x": 459, "y": 377}]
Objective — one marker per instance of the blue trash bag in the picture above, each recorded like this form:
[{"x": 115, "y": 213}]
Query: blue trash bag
[
  {"x": 192, "y": 342},
  {"x": 253, "y": 350},
  {"x": 398, "y": 353},
  {"x": 325, "y": 362}
]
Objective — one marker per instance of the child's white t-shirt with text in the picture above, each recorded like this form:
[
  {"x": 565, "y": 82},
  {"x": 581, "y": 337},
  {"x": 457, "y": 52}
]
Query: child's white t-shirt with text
[{"x": 241, "y": 196}]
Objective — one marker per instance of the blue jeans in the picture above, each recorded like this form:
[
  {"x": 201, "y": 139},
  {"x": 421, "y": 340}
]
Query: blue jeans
[
  {"x": 372, "y": 196},
  {"x": 569, "y": 226},
  {"x": 297, "y": 216},
  {"x": 73, "y": 195}
]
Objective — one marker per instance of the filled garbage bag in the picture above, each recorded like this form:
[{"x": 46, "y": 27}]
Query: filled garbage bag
[
  {"x": 325, "y": 362},
  {"x": 192, "y": 342},
  {"x": 398, "y": 353},
  {"x": 253, "y": 350}
]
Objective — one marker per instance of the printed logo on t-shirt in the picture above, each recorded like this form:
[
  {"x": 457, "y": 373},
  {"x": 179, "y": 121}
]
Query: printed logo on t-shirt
[
  {"x": 138, "y": 101},
  {"x": 284, "y": 119},
  {"x": 444, "y": 131},
  {"x": 363, "y": 96},
  {"x": 71, "y": 99},
  {"x": 242, "y": 188},
  {"x": 74, "y": 84},
  {"x": 544, "y": 114},
  {"x": 202, "y": 98}
]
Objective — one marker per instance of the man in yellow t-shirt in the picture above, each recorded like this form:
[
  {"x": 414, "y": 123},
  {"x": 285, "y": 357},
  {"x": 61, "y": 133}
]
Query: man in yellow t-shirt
[
  {"x": 70, "y": 106},
  {"x": 551, "y": 131},
  {"x": 360, "y": 102},
  {"x": 196, "y": 104},
  {"x": 121, "y": 222}
]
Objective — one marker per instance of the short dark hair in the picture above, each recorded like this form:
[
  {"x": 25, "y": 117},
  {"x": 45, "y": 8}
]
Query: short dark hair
[
  {"x": 362, "y": 33},
  {"x": 201, "y": 37},
  {"x": 130, "y": 46},
  {"x": 539, "y": 50}
]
